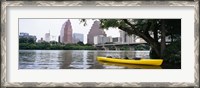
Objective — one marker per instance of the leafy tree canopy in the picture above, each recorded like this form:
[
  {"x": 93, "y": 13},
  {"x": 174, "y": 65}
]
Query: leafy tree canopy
[{"x": 153, "y": 31}]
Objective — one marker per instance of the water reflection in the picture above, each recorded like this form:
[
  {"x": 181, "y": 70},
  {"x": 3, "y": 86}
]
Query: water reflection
[
  {"x": 66, "y": 59},
  {"x": 72, "y": 59}
]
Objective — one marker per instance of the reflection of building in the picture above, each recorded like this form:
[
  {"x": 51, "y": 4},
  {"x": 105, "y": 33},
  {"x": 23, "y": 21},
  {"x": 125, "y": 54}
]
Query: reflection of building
[
  {"x": 94, "y": 31},
  {"x": 26, "y": 35},
  {"x": 66, "y": 60},
  {"x": 77, "y": 37},
  {"x": 101, "y": 39},
  {"x": 66, "y": 33}
]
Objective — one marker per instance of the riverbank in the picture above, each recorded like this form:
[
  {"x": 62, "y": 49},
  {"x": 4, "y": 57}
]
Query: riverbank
[{"x": 57, "y": 46}]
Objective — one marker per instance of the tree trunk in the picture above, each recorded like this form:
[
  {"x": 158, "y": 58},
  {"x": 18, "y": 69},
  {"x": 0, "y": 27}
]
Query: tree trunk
[
  {"x": 154, "y": 44},
  {"x": 155, "y": 34},
  {"x": 163, "y": 35},
  {"x": 172, "y": 38}
]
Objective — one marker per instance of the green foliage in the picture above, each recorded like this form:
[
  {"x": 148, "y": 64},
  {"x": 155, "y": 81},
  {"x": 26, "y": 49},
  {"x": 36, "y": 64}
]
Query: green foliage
[
  {"x": 173, "y": 53},
  {"x": 23, "y": 45},
  {"x": 23, "y": 40},
  {"x": 26, "y": 40},
  {"x": 142, "y": 47},
  {"x": 80, "y": 43},
  {"x": 153, "y": 55},
  {"x": 106, "y": 23},
  {"x": 88, "y": 44},
  {"x": 53, "y": 45},
  {"x": 31, "y": 40}
]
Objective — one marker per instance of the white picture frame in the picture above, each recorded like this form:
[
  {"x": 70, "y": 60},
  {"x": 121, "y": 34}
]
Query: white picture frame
[{"x": 52, "y": 4}]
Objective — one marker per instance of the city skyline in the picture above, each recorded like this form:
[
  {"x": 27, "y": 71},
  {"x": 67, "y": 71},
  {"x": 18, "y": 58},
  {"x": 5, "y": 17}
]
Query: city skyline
[{"x": 39, "y": 27}]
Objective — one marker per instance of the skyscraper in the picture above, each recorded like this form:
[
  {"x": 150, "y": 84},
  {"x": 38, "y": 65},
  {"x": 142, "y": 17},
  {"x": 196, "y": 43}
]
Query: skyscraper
[
  {"x": 59, "y": 38},
  {"x": 125, "y": 38},
  {"x": 101, "y": 39},
  {"x": 77, "y": 37},
  {"x": 47, "y": 37},
  {"x": 94, "y": 31},
  {"x": 66, "y": 33}
]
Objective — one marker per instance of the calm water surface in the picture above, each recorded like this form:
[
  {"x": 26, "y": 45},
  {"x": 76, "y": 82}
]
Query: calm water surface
[{"x": 77, "y": 59}]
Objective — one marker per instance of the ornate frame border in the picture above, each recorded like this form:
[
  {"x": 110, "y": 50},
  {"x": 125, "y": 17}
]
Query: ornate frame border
[{"x": 5, "y": 4}]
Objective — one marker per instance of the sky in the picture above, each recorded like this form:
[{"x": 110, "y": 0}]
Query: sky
[{"x": 39, "y": 27}]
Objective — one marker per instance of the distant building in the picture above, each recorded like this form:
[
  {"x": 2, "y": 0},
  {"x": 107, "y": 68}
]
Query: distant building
[
  {"x": 47, "y": 37},
  {"x": 23, "y": 34},
  {"x": 116, "y": 40},
  {"x": 110, "y": 39},
  {"x": 66, "y": 33},
  {"x": 26, "y": 35},
  {"x": 53, "y": 38},
  {"x": 140, "y": 40},
  {"x": 94, "y": 31},
  {"x": 101, "y": 39},
  {"x": 125, "y": 38},
  {"x": 41, "y": 40},
  {"x": 59, "y": 38},
  {"x": 77, "y": 37}
]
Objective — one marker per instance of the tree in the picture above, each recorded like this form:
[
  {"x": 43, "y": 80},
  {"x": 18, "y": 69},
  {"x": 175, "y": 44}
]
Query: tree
[
  {"x": 53, "y": 42},
  {"x": 23, "y": 40},
  {"x": 153, "y": 31},
  {"x": 26, "y": 40},
  {"x": 31, "y": 40},
  {"x": 80, "y": 43}
]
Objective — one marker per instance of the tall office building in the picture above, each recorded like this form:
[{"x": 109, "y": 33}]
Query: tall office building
[
  {"x": 47, "y": 37},
  {"x": 66, "y": 33},
  {"x": 125, "y": 38},
  {"x": 59, "y": 38},
  {"x": 94, "y": 31},
  {"x": 77, "y": 37},
  {"x": 101, "y": 39}
]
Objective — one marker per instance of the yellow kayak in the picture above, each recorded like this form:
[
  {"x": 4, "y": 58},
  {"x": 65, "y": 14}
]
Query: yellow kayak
[
  {"x": 132, "y": 61},
  {"x": 130, "y": 66}
]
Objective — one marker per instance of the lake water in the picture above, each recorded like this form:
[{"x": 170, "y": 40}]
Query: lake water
[{"x": 77, "y": 59}]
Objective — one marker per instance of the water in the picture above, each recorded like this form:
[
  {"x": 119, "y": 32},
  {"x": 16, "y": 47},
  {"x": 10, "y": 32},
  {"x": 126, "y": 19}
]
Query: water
[{"x": 77, "y": 59}]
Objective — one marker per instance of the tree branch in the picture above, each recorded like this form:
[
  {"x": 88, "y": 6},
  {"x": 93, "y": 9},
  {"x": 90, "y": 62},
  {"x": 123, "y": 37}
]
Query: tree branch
[
  {"x": 127, "y": 22},
  {"x": 128, "y": 30}
]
